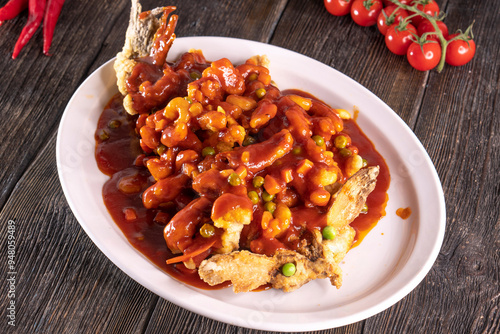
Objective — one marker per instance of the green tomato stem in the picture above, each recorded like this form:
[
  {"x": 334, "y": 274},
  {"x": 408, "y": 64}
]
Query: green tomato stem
[{"x": 432, "y": 20}]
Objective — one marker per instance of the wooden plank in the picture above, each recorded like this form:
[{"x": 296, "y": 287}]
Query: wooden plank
[
  {"x": 359, "y": 52},
  {"x": 38, "y": 87},
  {"x": 64, "y": 284},
  {"x": 211, "y": 18},
  {"x": 458, "y": 124},
  {"x": 75, "y": 282}
]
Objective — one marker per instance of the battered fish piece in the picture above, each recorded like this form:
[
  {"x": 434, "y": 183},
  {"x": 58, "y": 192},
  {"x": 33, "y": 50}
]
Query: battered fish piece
[
  {"x": 247, "y": 271},
  {"x": 138, "y": 42},
  {"x": 142, "y": 30},
  {"x": 236, "y": 212}
]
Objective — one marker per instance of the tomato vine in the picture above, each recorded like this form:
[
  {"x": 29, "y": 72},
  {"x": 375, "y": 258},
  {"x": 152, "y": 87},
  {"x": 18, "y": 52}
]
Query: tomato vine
[{"x": 400, "y": 18}]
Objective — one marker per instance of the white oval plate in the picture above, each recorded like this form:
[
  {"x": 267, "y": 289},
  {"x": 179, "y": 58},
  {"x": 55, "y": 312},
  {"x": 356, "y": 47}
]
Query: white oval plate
[{"x": 390, "y": 262}]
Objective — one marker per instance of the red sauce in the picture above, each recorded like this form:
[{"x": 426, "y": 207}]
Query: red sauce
[
  {"x": 119, "y": 155},
  {"x": 116, "y": 156},
  {"x": 404, "y": 213},
  {"x": 377, "y": 200}
]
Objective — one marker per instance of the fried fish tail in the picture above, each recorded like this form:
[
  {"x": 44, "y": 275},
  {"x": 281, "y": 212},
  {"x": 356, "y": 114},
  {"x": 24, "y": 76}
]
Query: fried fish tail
[{"x": 142, "y": 31}]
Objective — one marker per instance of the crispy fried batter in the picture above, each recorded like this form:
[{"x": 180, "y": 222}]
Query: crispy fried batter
[
  {"x": 247, "y": 271},
  {"x": 319, "y": 259},
  {"x": 232, "y": 220},
  {"x": 138, "y": 41}
]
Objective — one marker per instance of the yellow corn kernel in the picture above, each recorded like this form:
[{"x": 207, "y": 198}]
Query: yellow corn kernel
[
  {"x": 245, "y": 156},
  {"x": 283, "y": 214},
  {"x": 303, "y": 102},
  {"x": 231, "y": 120},
  {"x": 244, "y": 102},
  {"x": 344, "y": 114},
  {"x": 353, "y": 164},
  {"x": 304, "y": 166},
  {"x": 266, "y": 218},
  {"x": 195, "y": 109},
  {"x": 320, "y": 197}
]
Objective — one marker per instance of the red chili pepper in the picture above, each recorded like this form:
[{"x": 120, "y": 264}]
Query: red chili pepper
[
  {"x": 12, "y": 9},
  {"x": 36, "y": 11},
  {"x": 49, "y": 22}
]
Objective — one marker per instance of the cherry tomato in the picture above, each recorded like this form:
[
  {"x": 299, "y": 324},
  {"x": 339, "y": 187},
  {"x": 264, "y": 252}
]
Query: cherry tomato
[
  {"x": 338, "y": 7},
  {"x": 430, "y": 8},
  {"x": 460, "y": 52},
  {"x": 426, "y": 60},
  {"x": 383, "y": 24},
  {"x": 399, "y": 41},
  {"x": 426, "y": 26},
  {"x": 365, "y": 12}
]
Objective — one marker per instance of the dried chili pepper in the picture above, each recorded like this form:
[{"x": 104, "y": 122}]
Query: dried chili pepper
[
  {"x": 49, "y": 22},
  {"x": 12, "y": 9},
  {"x": 36, "y": 11}
]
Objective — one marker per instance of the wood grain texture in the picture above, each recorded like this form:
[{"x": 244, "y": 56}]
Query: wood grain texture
[
  {"x": 66, "y": 285},
  {"x": 358, "y": 52},
  {"x": 38, "y": 87}
]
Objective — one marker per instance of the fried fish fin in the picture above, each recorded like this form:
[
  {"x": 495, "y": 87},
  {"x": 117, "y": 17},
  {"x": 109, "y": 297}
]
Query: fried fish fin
[{"x": 349, "y": 200}]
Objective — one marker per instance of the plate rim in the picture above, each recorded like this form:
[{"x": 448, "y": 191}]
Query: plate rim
[{"x": 228, "y": 318}]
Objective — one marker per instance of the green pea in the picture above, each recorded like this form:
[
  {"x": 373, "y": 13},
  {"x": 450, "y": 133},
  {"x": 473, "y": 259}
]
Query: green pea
[
  {"x": 195, "y": 75},
  {"x": 297, "y": 150},
  {"x": 288, "y": 269},
  {"x": 267, "y": 197},
  {"x": 253, "y": 77},
  {"x": 345, "y": 152},
  {"x": 270, "y": 206},
  {"x": 234, "y": 179},
  {"x": 261, "y": 92},
  {"x": 254, "y": 197},
  {"x": 318, "y": 140},
  {"x": 329, "y": 232},
  {"x": 187, "y": 98},
  {"x": 365, "y": 163},
  {"x": 207, "y": 231},
  {"x": 258, "y": 181},
  {"x": 114, "y": 124},
  {"x": 248, "y": 141},
  {"x": 208, "y": 151},
  {"x": 161, "y": 149},
  {"x": 340, "y": 142}
]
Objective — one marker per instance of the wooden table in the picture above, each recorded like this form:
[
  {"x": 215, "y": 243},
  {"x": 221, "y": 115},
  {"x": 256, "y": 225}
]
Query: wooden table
[{"x": 65, "y": 284}]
